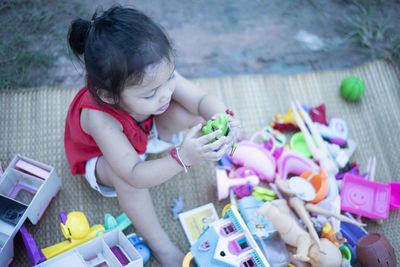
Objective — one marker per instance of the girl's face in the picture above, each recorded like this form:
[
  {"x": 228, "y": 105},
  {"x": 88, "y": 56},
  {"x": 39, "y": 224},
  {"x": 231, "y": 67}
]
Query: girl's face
[{"x": 153, "y": 95}]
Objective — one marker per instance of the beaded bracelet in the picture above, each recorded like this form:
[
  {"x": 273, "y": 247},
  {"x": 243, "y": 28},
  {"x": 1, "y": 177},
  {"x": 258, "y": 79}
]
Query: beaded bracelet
[
  {"x": 175, "y": 155},
  {"x": 229, "y": 112}
]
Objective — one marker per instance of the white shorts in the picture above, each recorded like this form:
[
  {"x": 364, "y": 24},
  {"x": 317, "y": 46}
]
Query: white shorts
[{"x": 155, "y": 145}]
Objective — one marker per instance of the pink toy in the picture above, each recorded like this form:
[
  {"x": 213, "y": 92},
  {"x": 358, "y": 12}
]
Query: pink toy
[
  {"x": 319, "y": 151},
  {"x": 364, "y": 197},
  {"x": 256, "y": 157},
  {"x": 318, "y": 114},
  {"x": 292, "y": 162},
  {"x": 27, "y": 167},
  {"x": 224, "y": 183},
  {"x": 395, "y": 195},
  {"x": 243, "y": 190}
]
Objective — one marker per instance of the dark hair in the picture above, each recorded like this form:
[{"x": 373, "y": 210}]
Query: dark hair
[{"x": 117, "y": 46}]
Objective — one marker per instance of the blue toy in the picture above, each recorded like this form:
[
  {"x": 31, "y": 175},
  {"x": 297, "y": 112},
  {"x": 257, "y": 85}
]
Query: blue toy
[
  {"x": 352, "y": 233},
  {"x": 226, "y": 242},
  {"x": 137, "y": 242},
  {"x": 177, "y": 207}
]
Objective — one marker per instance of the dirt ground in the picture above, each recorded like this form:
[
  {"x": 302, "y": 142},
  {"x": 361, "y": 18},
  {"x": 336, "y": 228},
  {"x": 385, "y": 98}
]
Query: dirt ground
[{"x": 216, "y": 38}]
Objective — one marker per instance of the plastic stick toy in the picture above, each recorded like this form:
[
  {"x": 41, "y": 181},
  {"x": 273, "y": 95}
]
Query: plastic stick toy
[{"x": 319, "y": 150}]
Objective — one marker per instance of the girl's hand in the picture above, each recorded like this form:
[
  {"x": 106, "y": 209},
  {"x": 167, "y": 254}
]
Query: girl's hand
[
  {"x": 195, "y": 150},
  {"x": 236, "y": 132}
]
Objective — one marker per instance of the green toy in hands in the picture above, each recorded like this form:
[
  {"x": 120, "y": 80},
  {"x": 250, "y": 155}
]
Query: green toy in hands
[{"x": 219, "y": 124}]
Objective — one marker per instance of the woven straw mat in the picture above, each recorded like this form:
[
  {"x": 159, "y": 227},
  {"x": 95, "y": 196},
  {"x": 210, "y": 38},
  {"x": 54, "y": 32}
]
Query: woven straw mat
[{"x": 32, "y": 125}]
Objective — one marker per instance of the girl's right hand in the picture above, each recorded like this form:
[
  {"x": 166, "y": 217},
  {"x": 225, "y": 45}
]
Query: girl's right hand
[{"x": 195, "y": 150}]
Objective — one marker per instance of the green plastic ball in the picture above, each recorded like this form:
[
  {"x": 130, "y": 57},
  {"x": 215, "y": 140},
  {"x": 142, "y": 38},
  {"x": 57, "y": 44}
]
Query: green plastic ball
[{"x": 352, "y": 88}]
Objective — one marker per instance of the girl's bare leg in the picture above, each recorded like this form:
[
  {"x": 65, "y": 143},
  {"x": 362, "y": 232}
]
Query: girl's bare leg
[{"x": 137, "y": 204}]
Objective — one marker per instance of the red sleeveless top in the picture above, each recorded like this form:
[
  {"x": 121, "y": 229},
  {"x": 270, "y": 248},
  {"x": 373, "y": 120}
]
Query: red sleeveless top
[{"x": 80, "y": 147}]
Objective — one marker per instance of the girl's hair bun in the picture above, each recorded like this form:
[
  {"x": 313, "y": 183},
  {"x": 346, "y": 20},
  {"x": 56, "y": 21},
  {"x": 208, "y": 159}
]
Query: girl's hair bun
[{"x": 77, "y": 35}]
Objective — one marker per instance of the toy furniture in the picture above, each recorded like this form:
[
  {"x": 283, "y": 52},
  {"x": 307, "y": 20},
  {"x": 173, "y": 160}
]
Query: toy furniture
[
  {"x": 374, "y": 250},
  {"x": 26, "y": 189},
  {"x": 319, "y": 151},
  {"x": 111, "y": 249},
  {"x": 226, "y": 242}
]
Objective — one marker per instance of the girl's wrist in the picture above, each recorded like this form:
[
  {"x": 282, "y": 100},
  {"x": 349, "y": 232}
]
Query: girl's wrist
[{"x": 177, "y": 157}]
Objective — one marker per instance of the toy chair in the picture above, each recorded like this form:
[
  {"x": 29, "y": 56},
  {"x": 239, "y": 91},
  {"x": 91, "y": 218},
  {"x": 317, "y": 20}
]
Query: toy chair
[{"x": 224, "y": 183}]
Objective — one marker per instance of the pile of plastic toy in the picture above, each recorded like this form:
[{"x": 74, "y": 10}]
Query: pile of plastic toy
[{"x": 304, "y": 203}]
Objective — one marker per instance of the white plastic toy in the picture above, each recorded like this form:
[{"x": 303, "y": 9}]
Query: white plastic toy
[{"x": 26, "y": 189}]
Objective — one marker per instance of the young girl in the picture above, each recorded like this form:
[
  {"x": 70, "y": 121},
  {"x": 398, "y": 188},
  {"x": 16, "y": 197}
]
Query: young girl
[{"x": 135, "y": 103}]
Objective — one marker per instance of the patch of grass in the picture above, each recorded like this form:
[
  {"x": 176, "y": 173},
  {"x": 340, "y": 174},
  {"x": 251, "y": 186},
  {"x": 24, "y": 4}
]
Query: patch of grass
[
  {"x": 372, "y": 25},
  {"x": 32, "y": 35}
]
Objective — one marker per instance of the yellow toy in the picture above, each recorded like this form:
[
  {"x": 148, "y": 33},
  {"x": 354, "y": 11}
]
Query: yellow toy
[
  {"x": 76, "y": 230},
  {"x": 285, "y": 122},
  {"x": 336, "y": 238}
]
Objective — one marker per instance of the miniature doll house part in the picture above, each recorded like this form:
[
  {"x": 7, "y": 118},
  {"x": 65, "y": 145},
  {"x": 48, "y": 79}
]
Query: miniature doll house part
[
  {"x": 319, "y": 151},
  {"x": 23, "y": 195},
  {"x": 226, "y": 242},
  {"x": 224, "y": 183},
  {"x": 111, "y": 249}
]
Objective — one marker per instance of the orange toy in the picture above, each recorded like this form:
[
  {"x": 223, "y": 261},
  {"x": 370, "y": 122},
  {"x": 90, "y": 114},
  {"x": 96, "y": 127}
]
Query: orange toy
[{"x": 320, "y": 183}]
